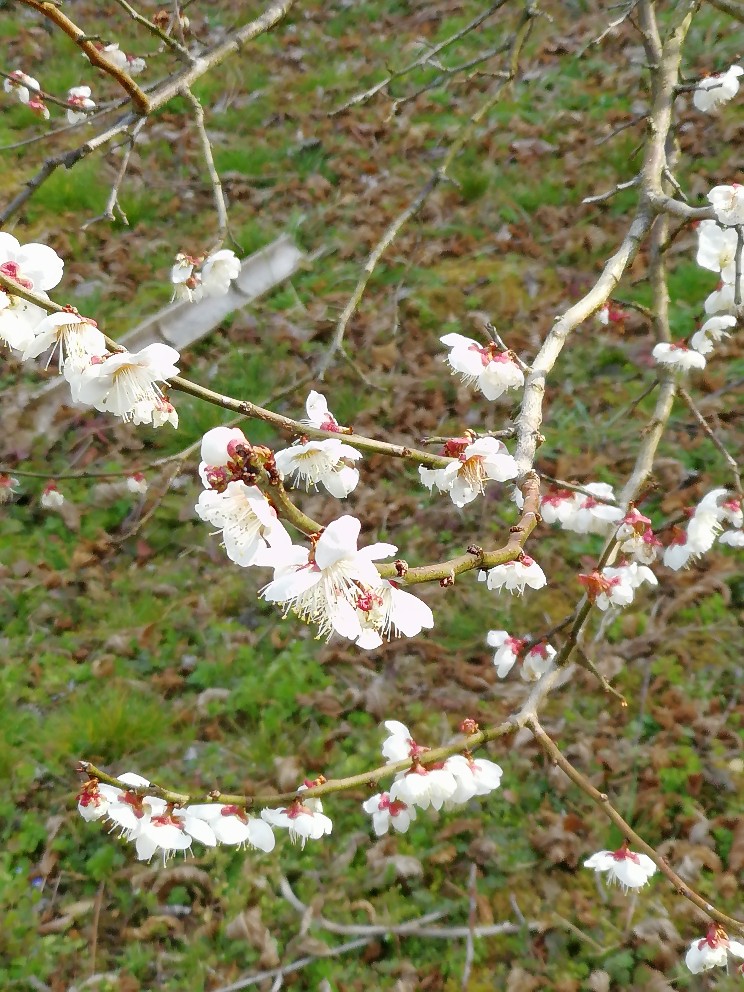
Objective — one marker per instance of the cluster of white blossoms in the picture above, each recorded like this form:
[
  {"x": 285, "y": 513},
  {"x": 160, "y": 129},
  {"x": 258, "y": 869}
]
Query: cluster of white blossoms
[
  {"x": 125, "y": 384},
  {"x": 493, "y": 371},
  {"x": 194, "y": 277},
  {"x": 535, "y": 658},
  {"x": 333, "y": 584},
  {"x": 328, "y": 463},
  {"x": 155, "y": 825},
  {"x": 715, "y": 510},
  {"x": 474, "y": 462},
  {"x": 712, "y": 91},
  {"x": 448, "y": 783},
  {"x": 592, "y": 511}
]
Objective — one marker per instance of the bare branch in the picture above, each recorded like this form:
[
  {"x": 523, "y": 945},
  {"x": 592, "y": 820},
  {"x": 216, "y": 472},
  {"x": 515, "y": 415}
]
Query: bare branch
[
  {"x": 178, "y": 49},
  {"x": 715, "y": 440},
  {"x": 112, "y": 203}
]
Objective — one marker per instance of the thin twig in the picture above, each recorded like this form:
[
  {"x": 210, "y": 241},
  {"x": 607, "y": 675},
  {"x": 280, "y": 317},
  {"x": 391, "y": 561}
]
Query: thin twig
[
  {"x": 714, "y": 439},
  {"x": 112, "y": 203},
  {"x": 217, "y": 191},
  {"x": 179, "y": 50},
  {"x": 421, "y": 61}
]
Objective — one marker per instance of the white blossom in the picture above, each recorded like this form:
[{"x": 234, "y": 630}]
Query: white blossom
[
  {"x": 473, "y": 777},
  {"x": 129, "y": 63},
  {"x": 51, "y": 498},
  {"x": 723, "y": 299},
  {"x": 18, "y": 321},
  {"x": 717, "y": 249},
  {"x": 33, "y": 266},
  {"x": 8, "y": 488},
  {"x": 679, "y": 356},
  {"x": 514, "y": 576},
  {"x": 137, "y": 484},
  {"x": 76, "y": 340},
  {"x": 243, "y": 514},
  {"x": 592, "y": 515},
  {"x": 477, "y": 462},
  {"x": 714, "y": 330},
  {"x": 302, "y": 822},
  {"x": 492, "y": 370},
  {"x": 728, "y": 204},
  {"x": 536, "y": 662},
  {"x": 388, "y": 611},
  {"x": 386, "y": 813},
  {"x": 399, "y": 744},
  {"x": 507, "y": 650},
  {"x": 712, "y": 951},
  {"x": 318, "y": 414},
  {"x": 629, "y": 870},
  {"x": 80, "y": 104},
  {"x": 218, "y": 271},
  {"x": 713, "y": 91},
  {"x": 328, "y": 586},
  {"x": 559, "y": 507},
  {"x": 325, "y": 463},
  {"x": 126, "y": 382}
]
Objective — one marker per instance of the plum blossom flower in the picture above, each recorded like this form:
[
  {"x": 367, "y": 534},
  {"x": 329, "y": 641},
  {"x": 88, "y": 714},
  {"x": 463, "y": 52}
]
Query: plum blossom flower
[
  {"x": 388, "y": 611},
  {"x": 731, "y": 511},
  {"x": 325, "y": 463},
  {"x": 388, "y": 813},
  {"x": 8, "y": 488},
  {"x": 728, "y": 204},
  {"x": 136, "y": 484},
  {"x": 130, "y": 63},
  {"x": 594, "y": 515},
  {"x": 678, "y": 552},
  {"x": 475, "y": 462},
  {"x": 231, "y": 825},
  {"x": 713, "y": 91},
  {"x": 92, "y": 804},
  {"x": 424, "y": 786},
  {"x": 558, "y": 506},
  {"x": 51, "y": 498},
  {"x": 628, "y": 869},
  {"x": 536, "y": 662},
  {"x": 21, "y": 84},
  {"x": 18, "y": 321},
  {"x": 33, "y": 266},
  {"x": 611, "y": 587},
  {"x": 514, "y": 576},
  {"x": 325, "y": 588},
  {"x": 218, "y": 271},
  {"x": 187, "y": 284},
  {"x": 494, "y": 371},
  {"x": 713, "y": 331},
  {"x": 318, "y": 414},
  {"x": 80, "y": 104},
  {"x": 717, "y": 249},
  {"x": 76, "y": 340},
  {"x": 712, "y": 951},
  {"x": 399, "y": 744},
  {"x": 679, "y": 356},
  {"x": 127, "y": 382},
  {"x": 243, "y": 514},
  {"x": 706, "y": 522},
  {"x": 508, "y": 650},
  {"x": 473, "y": 777},
  {"x": 218, "y": 448},
  {"x": 302, "y": 821},
  {"x": 723, "y": 299}
]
